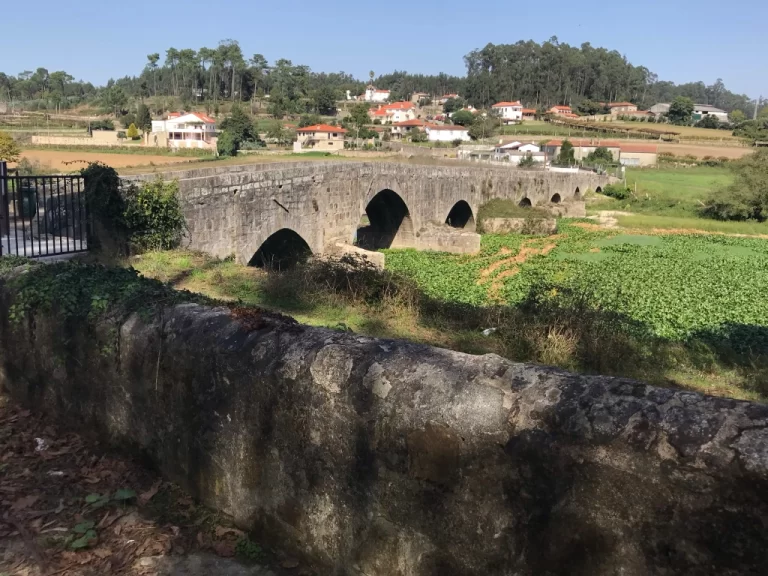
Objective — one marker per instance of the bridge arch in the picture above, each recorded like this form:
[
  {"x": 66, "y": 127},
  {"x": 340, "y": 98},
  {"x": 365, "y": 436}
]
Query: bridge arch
[
  {"x": 525, "y": 202},
  {"x": 386, "y": 223},
  {"x": 461, "y": 216},
  {"x": 577, "y": 193},
  {"x": 555, "y": 198},
  {"x": 282, "y": 250}
]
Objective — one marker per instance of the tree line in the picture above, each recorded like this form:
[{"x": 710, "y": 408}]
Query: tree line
[{"x": 539, "y": 74}]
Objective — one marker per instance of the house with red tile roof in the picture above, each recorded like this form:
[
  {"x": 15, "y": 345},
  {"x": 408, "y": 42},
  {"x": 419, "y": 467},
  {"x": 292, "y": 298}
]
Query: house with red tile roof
[
  {"x": 509, "y": 112},
  {"x": 185, "y": 130},
  {"x": 560, "y": 110},
  {"x": 529, "y": 113},
  {"x": 401, "y": 129},
  {"x": 320, "y": 137},
  {"x": 393, "y": 113},
  {"x": 626, "y": 153}
]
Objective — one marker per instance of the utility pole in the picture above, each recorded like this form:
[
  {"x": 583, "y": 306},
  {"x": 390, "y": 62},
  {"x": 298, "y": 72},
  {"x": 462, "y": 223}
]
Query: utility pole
[{"x": 757, "y": 103}]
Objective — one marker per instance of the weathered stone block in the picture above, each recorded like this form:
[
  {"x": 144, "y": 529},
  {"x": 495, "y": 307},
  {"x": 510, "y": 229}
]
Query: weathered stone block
[
  {"x": 393, "y": 458},
  {"x": 520, "y": 226}
]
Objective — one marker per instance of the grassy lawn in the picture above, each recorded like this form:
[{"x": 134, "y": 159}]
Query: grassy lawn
[
  {"x": 653, "y": 222},
  {"x": 670, "y": 191}
]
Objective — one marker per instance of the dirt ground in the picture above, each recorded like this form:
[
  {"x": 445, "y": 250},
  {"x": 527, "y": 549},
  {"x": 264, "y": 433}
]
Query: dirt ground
[
  {"x": 67, "y": 508},
  {"x": 71, "y": 161},
  {"x": 705, "y": 150}
]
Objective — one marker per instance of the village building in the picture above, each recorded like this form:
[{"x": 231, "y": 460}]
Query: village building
[
  {"x": 638, "y": 154},
  {"x": 560, "y": 110},
  {"x": 417, "y": 97},
  {"x": 181, "y": 130},
  {"x": 509, "y": 112},
  {"x": 582, "y": 148},
  {"x": 393, "y": 113},
  {"x": 447, "y": 133},
  {"x": 320, "y": 137},
  {"x": 372, "y": 94},
  {"x": 529, "y": 113},
  {"x": 701, "y": 111},
  {"x": 618, "y": 108},
  {"x": 402, "y": 129}
]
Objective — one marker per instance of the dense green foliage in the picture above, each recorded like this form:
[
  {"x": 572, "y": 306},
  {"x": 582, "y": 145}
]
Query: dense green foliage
[
  {"x": 540, "y": 74},
  {"x": 554, "y": 72},
  {"x": 680, "y": 111},
  {"x": 147, "y": 215},
  {"x": 9, "y": 149},
  {"x": 90, "y": 292},
  {"x": 601, "y": 155},
  {"x": 754, "y": 130},
  {"x": 463, "y": 118},
  {"x": 747, "y": 197},
  {"x": 226, "y": 144},
  {"x": 566, "y": 156},
  {"x": 153, "y": 215},
  {"x": 676, "y": 287}
]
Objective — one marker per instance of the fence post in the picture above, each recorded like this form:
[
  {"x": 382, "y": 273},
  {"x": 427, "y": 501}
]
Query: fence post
[{"x": 3, "y": 203}]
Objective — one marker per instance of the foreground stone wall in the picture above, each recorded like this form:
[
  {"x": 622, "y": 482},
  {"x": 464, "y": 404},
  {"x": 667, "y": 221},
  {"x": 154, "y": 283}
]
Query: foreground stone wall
[
  {"x": 234, "y": 209},
  {"x": 386, "y": 458}
]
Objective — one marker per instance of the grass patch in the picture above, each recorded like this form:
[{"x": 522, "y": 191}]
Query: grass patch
[
  {"x": 691, "y": 224},
  {"x": 499, "y": 208},
  {"x": 668, "y": 191}
]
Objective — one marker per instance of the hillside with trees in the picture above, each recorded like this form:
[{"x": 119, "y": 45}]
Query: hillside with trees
[{"x": 539, "y": 74}]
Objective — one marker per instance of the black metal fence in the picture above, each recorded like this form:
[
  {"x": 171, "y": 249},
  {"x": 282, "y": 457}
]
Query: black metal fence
[{"x": 42, "y": 215}]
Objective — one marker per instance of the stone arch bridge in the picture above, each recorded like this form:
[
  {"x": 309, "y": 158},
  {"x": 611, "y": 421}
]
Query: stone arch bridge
[{"x": 252, "y": 209}]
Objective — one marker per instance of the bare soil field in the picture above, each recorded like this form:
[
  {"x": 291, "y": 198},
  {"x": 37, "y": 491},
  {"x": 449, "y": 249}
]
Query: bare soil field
[
  {"x": 705, "y": 150},
  {"x": 72, "y": 161}
]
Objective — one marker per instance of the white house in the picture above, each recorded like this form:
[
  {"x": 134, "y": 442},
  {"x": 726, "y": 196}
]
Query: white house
[
  {"x": 447, "y": 133},
  {"x": 374, "y": 95},
  {"x": 393, "y": 113},
  {"x": 703, "y": 110},
  {"x": 192, "y": 130},
  {"x": 516, "y": 151},
  {"x": 509, "y": 112}
]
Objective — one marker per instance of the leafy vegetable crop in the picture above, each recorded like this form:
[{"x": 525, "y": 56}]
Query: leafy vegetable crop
[{"x": 678, "y": 286}]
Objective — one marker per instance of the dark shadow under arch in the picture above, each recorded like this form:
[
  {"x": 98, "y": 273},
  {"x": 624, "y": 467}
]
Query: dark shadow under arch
[
  {"x": 577, "y": 193},
  {"x": 461, "y": 216},
  {"x": 555, "y": 199},
  {"x": 387, "y": 223},
  {"x": 525, "y": 203},
  {"x": 599, "y": 190},
  {"x": 282, "y": 250}
]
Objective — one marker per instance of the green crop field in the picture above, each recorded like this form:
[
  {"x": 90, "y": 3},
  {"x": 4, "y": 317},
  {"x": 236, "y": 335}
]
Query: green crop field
[
  {"x": 672, "y": 191},
  {"x": 674, "y": 286}
]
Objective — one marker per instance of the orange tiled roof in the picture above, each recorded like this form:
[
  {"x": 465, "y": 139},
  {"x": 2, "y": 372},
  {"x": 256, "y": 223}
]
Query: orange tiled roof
[
  {"x": 407, "y": 123},
  {"x": 617, "y": 104},
  {"x": 503, "y": 104},
  {"x": 639, "y": 148},
  {"x": 322, "y": 128},
  {"x": 529, "y": 110}
]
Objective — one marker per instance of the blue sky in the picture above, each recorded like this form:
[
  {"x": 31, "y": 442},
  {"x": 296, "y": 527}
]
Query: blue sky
[{"x": 679, "y": 40}]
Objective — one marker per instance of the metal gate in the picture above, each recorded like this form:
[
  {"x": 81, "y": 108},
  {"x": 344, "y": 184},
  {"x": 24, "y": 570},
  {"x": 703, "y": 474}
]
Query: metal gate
[{"x": 42, "y": 215}]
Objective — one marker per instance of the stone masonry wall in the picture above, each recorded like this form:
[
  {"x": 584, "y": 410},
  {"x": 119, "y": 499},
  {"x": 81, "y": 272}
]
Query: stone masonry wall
[
  {"x": 385, "y": 458},
  {"x": 234, "y": 209}
]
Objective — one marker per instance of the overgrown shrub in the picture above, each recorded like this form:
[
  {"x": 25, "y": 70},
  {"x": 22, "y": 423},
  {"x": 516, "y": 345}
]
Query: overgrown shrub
[
  {"x": 153, "y": 215},
  {"x": 146, "y": 215},
  {"x": 226, "y": 144},
  {"x": 747, "y": 197},
  {"x": 618, "y": 191}
]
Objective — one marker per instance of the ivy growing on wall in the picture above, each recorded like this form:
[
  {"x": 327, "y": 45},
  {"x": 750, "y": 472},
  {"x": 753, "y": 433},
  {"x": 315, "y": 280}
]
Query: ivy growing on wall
[{"x": 147, "y": 216}]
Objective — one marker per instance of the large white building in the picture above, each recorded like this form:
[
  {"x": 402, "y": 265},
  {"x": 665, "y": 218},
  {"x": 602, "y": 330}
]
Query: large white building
[
  {"x": 509, "y": 111},
  {"x": 374, "y": 95},
  {"x": 701, "y": 111},
  {"x": 185, "y": 131},
  {"x": 447, "y": 133}
]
